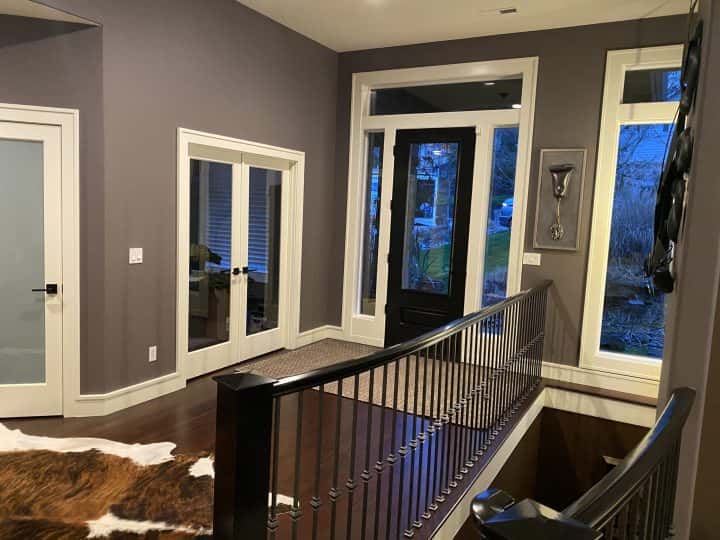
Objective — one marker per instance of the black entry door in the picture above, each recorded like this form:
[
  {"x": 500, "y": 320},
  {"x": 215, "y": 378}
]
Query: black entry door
[{"x": 432, "y": 188}]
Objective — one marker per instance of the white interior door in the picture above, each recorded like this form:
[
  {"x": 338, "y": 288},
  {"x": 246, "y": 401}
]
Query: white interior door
[
  {"x": 263, "y": 326},
  {"x": 30, "y": 270},
  {"x": 238, "y": 223}
]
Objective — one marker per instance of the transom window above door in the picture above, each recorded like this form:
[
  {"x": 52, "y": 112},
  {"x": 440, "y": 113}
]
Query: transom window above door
[{"x": 439, "y": 98}]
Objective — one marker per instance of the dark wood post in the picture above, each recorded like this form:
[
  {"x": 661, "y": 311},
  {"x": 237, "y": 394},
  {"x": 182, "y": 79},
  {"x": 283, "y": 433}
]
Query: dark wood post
[{"x": 243, "y": 439}]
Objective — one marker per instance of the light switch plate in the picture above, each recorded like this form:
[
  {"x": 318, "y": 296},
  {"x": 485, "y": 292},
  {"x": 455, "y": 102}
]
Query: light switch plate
[
  {"x": 152, "y": 353},
  {"x": 136, "y": 255},
  {"x": 532, "y": 259}
]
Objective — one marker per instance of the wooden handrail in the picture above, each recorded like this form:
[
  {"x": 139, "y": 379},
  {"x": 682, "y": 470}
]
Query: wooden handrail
[{"x": 354, "y": 366}]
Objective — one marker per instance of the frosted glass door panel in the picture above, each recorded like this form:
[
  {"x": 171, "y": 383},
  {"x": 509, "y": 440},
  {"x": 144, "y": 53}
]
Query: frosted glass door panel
[{"x": 22, "y": 311}]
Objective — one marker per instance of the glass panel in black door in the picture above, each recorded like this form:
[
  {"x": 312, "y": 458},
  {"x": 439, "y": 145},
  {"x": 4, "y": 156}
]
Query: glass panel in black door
[{"x": 428, "y": 240}]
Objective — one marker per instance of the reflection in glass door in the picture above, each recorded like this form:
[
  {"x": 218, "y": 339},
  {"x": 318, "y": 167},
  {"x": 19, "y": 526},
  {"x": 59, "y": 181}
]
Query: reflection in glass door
[
  {"x": 262, "y": 251},
  {"x": 430, "y": 223},
  {"x": 234, "y": 274},
  {"x": 210, "y": 253},
  {"x": 263, "y": 248}
]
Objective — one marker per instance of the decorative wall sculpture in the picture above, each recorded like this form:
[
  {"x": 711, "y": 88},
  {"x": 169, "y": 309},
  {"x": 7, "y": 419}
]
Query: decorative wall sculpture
[{"x": 559, "y": 198}]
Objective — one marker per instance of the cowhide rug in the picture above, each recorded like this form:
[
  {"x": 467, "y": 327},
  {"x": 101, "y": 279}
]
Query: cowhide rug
[{"x": 77, "y": 488}]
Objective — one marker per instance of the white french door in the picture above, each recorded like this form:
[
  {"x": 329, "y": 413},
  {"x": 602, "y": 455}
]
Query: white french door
[
  {"x": 31, "y": 306},
  {"x": 237, "y": 246}
]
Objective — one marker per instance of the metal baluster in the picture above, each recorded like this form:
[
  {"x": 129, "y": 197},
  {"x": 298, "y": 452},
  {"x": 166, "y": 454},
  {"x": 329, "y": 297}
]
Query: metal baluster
[
  {"x": 272, "y": 524},
  {"x": 423, "y": 437},
  {"x": 315, "y": 502},
  {"x": 675, "y": 462},
  {"x": 505, "y": 374},
  {"x": 530, "y": 366},
  {"x": 478, "y": 395},
  {"x": 496, "y": 395},
  {"x": 485, "y": 362},
  {"x": 380, "y": 463},
  {"x": 351, "y": 483},
  {"x": 432, "y": 441},
  {"x": 541, "y": 325},
  {"x": 445, "y": 481},
  {"x": 460, "y": 468},
  {"x": 334, "y": 493},
  {"x": 392, "y": 458},
  {"x": 403, "y": 451},
  {"x": 623, "y": 522},
  {"x": 367, "y": 474},
  {"x": 296, "y": 512},
  {"x": 415, "y": 445},
  {"x": 468, "y": 397},
  {"x": 515, "y": 360},
  {"x": 451, "y": 461},
  {"x": 440, "y": 432},
  {"x": 647, "y": 500}
]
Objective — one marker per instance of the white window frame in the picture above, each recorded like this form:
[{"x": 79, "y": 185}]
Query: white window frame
[
  {"x": 370, "y": 329},
  {"x": 614, "y": 115}
]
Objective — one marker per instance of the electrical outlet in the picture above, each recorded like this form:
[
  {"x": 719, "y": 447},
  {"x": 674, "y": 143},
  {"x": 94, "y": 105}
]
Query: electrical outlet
[
  {"x": 136, "y": 256},
  {"x": 532, "y": 259},
  {"x": 152, "y": 353}
]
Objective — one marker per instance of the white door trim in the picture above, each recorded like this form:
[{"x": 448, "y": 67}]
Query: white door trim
[
  {"x": 371, "y": 329},
  {"x": 291, "y": 285},
  {"x": 69, "y": 122}
]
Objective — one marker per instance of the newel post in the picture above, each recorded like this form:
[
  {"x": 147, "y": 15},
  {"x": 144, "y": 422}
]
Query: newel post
[{"x": 243, "y": 438}]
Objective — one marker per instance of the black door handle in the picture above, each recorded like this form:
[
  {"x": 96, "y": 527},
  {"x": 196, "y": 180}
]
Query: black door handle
[
  {"x": 236, "y": 271},
  {"x": 50, "y": 288}
]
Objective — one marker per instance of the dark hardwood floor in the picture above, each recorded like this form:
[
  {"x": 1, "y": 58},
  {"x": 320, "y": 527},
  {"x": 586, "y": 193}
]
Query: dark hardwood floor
[
  {"x": 388, "y": 501},
  {"x": 186, "y": 417}
]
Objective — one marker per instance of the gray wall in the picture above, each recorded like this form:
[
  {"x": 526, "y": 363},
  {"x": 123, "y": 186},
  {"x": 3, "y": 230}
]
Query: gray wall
[
  {"x": 56, "y": 65},
  {"x": 572, "y": 57},
  {"x": 213, "y": 66}
]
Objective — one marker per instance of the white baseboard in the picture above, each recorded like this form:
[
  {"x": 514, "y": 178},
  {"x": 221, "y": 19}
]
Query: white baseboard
[
  {"x": 601, "y": 379},
  {"x": 330, "y": 331},
  {"x": 122, "y": 398}
]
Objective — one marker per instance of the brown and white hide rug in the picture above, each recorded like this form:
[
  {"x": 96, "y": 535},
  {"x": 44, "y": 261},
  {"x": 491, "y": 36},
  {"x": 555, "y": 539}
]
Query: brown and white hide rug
[{"x": 77, "y": 488}]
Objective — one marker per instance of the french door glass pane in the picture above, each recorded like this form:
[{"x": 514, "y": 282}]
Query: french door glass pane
[
  {"x": 502, "y": 190},
  {"x": 264, "y": 250},
  {"x": 371, "y": 228},
  {"x": 633, "y": 320},
  {"x": 22, "y": 312},
  {"x": 429, "y": 217},
  {"x": 210, "y": 253}
]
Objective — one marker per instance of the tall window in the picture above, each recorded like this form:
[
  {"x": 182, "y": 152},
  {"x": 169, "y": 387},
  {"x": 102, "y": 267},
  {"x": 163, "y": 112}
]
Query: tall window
[
  {"x": 624, "y": 317},
  {"x": 502, "y": 189},
  {"x": 371, "y": 226}
]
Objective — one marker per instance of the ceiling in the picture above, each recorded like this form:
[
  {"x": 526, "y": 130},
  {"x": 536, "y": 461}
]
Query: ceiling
[
  {"x": 37, "y": 10},
  {"x": 347, "y": 25}
]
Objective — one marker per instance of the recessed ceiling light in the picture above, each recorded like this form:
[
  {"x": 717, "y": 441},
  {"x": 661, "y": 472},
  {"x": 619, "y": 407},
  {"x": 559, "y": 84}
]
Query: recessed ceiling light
[
  {"x": 516, "y": 106},
  {"x": 489, "y": 83},
  {"x": 508, "y": 11}
]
